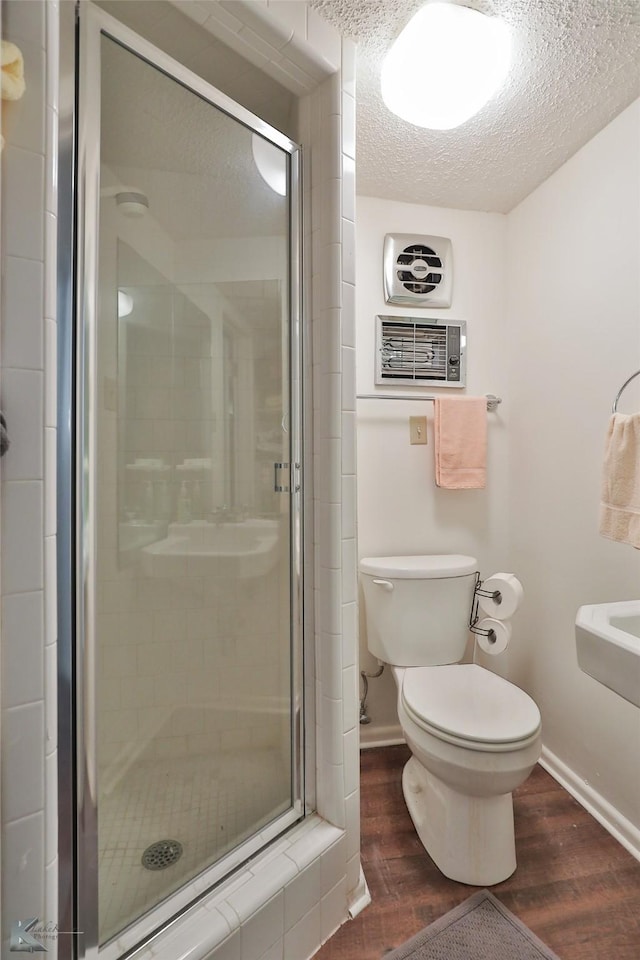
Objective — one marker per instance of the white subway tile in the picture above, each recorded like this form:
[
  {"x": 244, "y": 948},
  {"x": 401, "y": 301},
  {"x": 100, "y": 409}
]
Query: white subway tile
[
  {"x": 349, "y": 571},
  {"x": 50, "y": 266},
  {"x": 330, "y": 473},
  {"x": 330, "y": 665},
  {"x": 51, "y": 889},
  {"x": 230, "y": 949},
  {"x": 22, "y": 405},
  {"x": 348, "y": 251},
  {"x": 331, "y": 723},
  {"x": 352, "y": 811},
  {"x": 333, "y": 864},
  {"x": 51, "y": 697},
  {"x": 333, "y": 909},
  {"x": 350, "y": 698},
  {"x": 349, "y": 125},
  {"x": 23, "y": 868},
  {"x": 348, "y": 380},
  {"x": 348, "y": 187},
  {"x": 348, "y": 508},
  {"x": 50, "y": 591},
  {"x": 50, "y": 373},
  {"x": 301, "y": 894},
  {"x": 292, "y": 14},
  {"x": 51, "y": 162},
  {"x": 301, "y": 941},
  {"x": 53, "y": 52},
  {"x": 23, "y": 202},
  {"x": 22, "y": 328},
  {"x": 23, "y": 760},
  {"x": 22, "y": 526},
  {"x": 51, "y": 807},
  {"x": 349, "y": 634},
  {"x": 354, "y": 872},
  {"x": 349, "y": 60},
  {"x": 50, "y": 488},
  {"x": 23, "y": 120},
  {"x": 22, "y": 648},
  {"x": 24, "y": 22},
  {"x": 330, "y": 224},
  {"x": 275, "y": 951},
  {"x": 263, "y": 928},
  {"x": 332, "y": 800},
  {"x": 324, "y": 38},
  {"x": 348, "y": 318},
  {"x": 351, "y": 760},
  {"x": 348, "y": 443}
]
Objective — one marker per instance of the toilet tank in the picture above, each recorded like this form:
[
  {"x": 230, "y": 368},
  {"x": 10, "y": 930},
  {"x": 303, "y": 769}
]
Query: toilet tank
[{"x": 418, "y": 608}]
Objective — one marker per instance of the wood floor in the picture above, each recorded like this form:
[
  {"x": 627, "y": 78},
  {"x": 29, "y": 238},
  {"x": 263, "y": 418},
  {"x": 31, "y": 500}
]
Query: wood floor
[{"x": 574, "y": 886}]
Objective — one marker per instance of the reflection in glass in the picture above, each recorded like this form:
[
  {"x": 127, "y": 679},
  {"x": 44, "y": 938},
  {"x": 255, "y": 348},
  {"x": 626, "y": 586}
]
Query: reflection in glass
[{"x": 193, "y": 547}]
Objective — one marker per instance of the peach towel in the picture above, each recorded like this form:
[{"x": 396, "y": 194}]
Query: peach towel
[
  {"x": 620, "y": 501},
  {"x": 461, "y": 442}
]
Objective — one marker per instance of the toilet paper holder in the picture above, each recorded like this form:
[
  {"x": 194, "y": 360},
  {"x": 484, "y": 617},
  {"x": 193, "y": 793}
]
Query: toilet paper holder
[{"x": 478, "y": 591}]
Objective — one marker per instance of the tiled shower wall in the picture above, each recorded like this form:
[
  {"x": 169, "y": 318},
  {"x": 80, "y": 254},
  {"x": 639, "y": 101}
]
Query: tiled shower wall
[
  {"x": 293, "y": 897},
  {"x": 28, "y": 358}
]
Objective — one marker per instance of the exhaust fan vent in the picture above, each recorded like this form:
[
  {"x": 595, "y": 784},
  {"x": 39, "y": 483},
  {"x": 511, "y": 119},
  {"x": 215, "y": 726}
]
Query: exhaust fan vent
[
  {"x": 421, "y": 352},
  {"x": 417, "y": 270}
]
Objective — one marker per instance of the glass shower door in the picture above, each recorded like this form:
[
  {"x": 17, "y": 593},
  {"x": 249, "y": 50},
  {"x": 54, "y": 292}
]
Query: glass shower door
[{"x": 192, "y": 528}]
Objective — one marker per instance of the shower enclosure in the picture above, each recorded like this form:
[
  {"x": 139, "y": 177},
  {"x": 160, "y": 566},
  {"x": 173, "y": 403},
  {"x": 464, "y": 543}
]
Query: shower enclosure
[{"x": 188, "y": 645}]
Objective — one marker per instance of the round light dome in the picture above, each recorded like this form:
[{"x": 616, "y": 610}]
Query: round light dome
[
  {"x": 445, "y": 65},
  {"x": 271, "y": 163}
]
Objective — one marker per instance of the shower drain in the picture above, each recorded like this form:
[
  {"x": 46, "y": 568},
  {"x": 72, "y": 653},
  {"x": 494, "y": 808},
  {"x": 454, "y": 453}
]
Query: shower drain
[{"x": 161, "y": 854}]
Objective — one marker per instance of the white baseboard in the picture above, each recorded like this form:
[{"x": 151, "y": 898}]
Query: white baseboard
[
  {"x": 375, "y": 736},
  {"x": 604, "y": 812},
  {"x": 360, "y": 897}
]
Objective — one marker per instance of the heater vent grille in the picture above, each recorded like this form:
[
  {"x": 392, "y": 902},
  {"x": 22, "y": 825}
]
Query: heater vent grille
[{"x": 415, "y": 351}]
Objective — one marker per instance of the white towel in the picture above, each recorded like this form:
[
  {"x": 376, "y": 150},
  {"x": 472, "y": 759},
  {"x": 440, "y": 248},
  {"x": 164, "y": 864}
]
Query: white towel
[
  {"x": 620, "y": 504},
  {"x": 12, "y": 84}
]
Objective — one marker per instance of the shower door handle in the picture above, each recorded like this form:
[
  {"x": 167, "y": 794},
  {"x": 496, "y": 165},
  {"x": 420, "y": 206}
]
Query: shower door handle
[{"x": 278, "y": 485}]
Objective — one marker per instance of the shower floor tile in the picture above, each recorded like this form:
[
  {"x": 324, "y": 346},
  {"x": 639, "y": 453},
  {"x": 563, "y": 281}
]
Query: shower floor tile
[{"x": 208, "y": 803}]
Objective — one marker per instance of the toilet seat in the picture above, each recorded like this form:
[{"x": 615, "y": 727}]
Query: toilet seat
[{"x": 470, "y": 706}]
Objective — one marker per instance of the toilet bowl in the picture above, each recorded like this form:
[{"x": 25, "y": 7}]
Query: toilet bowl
[
  {"x": 474, "y": 736},
  {"x": 466, "y": 761}
]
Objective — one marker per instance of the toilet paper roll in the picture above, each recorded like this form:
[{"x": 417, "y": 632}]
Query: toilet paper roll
[
  {"x": 498, "y": 640},
  {"x": 511, "y": 594}
]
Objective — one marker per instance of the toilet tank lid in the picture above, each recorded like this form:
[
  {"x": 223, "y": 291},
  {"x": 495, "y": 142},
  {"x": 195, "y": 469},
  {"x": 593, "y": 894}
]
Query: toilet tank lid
[{"x": 429, "y": 567}]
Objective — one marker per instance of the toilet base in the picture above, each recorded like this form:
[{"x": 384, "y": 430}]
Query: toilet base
[{"x": 470, "y": 839}]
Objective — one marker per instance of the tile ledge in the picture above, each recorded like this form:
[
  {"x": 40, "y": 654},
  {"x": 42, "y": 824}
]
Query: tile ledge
[{"x": 163, "y": 947}]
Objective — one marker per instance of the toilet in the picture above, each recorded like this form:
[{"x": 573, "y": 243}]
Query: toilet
[{"x": 474, "y": 737}]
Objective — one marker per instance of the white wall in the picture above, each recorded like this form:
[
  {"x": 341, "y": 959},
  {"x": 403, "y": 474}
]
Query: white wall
[
  {"x": 400, "y": 510},
  {"x": 552, "y": 297},
  {"x": 574, "y": 320}
]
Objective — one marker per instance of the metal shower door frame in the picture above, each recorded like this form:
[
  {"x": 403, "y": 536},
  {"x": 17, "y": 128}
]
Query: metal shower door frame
[{"x": 82, "y": 26}]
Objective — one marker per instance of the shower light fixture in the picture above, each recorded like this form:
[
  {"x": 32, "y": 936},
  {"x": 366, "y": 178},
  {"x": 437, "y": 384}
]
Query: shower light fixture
[
  {"x": 445, "y": 65},
  {"x": 125, "y": 304},
  {"x": 132, "y": 203},
  {"x": 271, "y": 163}
]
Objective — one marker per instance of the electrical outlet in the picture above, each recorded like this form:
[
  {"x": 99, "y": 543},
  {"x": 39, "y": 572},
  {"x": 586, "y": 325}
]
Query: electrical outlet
[{"x": 418, "y": 429}]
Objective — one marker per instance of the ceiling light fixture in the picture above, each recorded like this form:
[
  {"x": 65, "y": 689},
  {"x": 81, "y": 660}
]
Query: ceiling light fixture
[
  {"x": 125, "y": 304},
  {"x": 445, "y": 65},
  {"x": 132, "y": 203},
  {"x": 271, "y": 163}
]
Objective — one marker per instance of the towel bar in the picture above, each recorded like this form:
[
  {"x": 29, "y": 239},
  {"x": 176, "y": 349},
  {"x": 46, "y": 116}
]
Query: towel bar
[
  {"x": 492, "y": 401},
  {"x": 614, "y": 408}
]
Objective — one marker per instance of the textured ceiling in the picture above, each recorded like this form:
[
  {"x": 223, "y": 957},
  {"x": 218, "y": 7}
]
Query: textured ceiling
[
  {"x": 576, "y": 66},
  {"x": 192, "y": 161}
]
